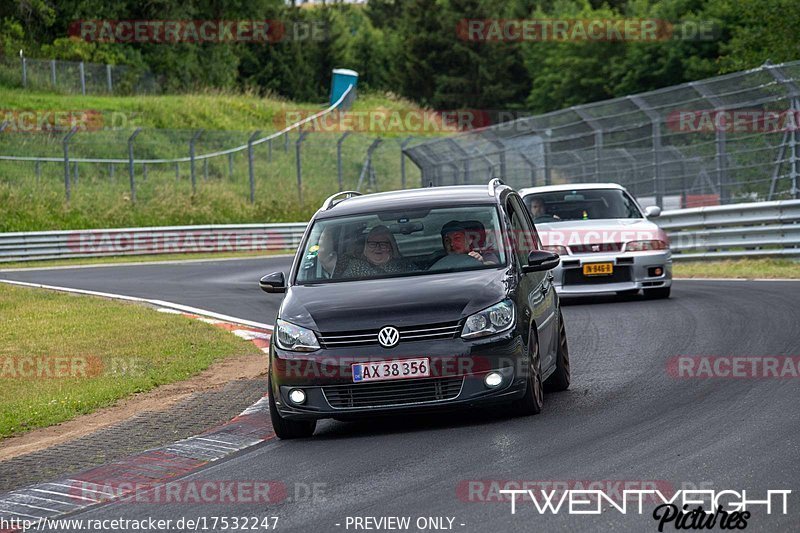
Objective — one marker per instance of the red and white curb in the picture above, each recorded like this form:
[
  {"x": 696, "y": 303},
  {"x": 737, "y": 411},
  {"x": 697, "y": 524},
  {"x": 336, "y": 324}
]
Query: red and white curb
[
  {"x": 153, "y": 467},
  {"x": 156, "y": 466}
]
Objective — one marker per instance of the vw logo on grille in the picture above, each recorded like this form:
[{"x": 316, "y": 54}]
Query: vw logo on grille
[{"x": 388, "y": 336}]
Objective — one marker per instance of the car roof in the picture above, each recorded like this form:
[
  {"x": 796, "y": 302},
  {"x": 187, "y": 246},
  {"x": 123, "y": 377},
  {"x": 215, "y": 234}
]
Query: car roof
[
  {"x": 456, "y": 195},
  {"x": 570, "y": 187}
]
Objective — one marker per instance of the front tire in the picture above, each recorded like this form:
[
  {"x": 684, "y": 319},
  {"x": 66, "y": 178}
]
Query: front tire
[
  {"x": 560, "y": 379},
  {"x": 533, "y": 401},
  {"x": 657, "y": 294},
  {"x": 285, "y": 428}
]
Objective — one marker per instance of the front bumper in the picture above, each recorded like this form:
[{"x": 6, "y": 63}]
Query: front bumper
[
  {"x": 632, "y": 271},
  {"x": 458, "y": 369}
]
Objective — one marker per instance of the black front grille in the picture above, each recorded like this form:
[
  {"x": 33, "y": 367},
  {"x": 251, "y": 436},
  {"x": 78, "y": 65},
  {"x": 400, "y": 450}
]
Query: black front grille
[
  {"x": 574, "y": 276},
  {"x": 344, "y": 339},
  {"x": 605, "y": 247},
  {"x": 388, "y": 393}
]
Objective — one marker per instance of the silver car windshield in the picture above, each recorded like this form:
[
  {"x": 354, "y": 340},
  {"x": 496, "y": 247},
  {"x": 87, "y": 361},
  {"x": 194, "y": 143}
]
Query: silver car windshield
[
  {"x": 584, "y": 204},
  {"x": 402, "y": 243}
]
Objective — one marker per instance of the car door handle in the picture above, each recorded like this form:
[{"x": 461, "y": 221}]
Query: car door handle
[{"x": 543, "y": 288}]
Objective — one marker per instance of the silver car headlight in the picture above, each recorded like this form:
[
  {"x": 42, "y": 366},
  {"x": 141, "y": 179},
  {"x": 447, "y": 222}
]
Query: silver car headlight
[
  {"x": 492, "y": 320},
  {"x": 294, "y": 338}
]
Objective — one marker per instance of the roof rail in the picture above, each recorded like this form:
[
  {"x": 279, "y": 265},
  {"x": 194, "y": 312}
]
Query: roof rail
[
  {"x": 493, "y": 184},
  {"x": 330, "y": 201}
]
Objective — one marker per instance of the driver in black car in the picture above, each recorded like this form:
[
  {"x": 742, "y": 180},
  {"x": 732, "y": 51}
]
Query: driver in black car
[{"x": 456, "y": 241}]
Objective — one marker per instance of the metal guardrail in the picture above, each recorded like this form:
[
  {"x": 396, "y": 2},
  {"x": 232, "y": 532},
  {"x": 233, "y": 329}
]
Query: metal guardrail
[
  {"x": 764, "y": 229},
  {"x": 39, "y": 245}
]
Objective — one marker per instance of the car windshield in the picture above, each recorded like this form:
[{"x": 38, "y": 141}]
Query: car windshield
[
  {"x": 402, "y": 243},
  {"x": 586, "y": 204}
]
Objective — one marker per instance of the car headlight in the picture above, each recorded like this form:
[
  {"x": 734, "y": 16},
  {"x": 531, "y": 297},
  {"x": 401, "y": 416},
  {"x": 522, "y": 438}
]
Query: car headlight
[
  {"x": 644, "y": 246},
  {"x": 556, "y": 249},
  {"x": 294, "y": 338},
  {"x": 494, "y": 319}
]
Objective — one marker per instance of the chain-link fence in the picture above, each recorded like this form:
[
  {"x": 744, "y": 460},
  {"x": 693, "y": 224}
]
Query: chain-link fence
[
  {"x": 76, "y": 77},
  {"x": 292, "y": 168},
  {"x": 289, "y": 170},
  {"x": 732, "y": 138}
]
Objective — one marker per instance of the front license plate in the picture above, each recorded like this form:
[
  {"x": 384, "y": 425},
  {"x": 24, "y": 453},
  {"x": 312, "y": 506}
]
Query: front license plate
[
  {"x": 598, "y": 269},
  {"x": 383, "y": 370}
]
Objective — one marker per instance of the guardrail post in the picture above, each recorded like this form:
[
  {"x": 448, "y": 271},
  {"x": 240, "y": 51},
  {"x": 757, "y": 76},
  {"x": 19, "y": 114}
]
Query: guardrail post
[
  {"x": 794, "y": 91},
  {"x": 38, "y": 170},
  {"x": 144, "y": 171},
  {"x": 65, "y": 142},
  {"x": 531, "y": 166},
  {"x": 250, "y": 165},
  {"x": 205, "y": 169},
  {"x": 131, "y": 173},
  {"x": 286, "y": 142},
  {"x": 598, "y": 139},
  {"x": 177, "y": 171},
  {"x": 501, "y": 156},
  {"x": 24, "y": 71},
  {"x": 403, "y": 161},
  {"x": 230, "y": 165},
  {"x": 82, "y": 71},
  {"x": 339, "y": 160},
  {"x": 269, "y": 150},
  {"x": 367, "y": 170},
  {"x": 548, "y": 180},
  {"x": 191, "y": 158},
  {"x": 655, "y": 121},
  {"x": 111, "y": 170},
  {"x": 108, "y": 79},
  {"x": 298, "y": 146},
  {"x": 53, "y": 72}
]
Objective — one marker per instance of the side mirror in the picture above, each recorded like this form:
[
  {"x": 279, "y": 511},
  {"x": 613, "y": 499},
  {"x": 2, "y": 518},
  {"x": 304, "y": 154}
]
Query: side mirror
[
  {"x": 274, "y": 282},
  {"x": 652, "y": 211},
  {"x": 541, "y": 260}
]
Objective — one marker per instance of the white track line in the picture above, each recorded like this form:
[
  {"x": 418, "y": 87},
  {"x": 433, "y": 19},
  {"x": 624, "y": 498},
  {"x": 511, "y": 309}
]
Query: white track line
[
  {"x": 160, "y": 303},
  {"x": 143, "y": 263}
]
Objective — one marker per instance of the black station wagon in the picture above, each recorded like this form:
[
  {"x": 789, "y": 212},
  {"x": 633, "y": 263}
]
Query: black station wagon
[{"x": 415, "y": 300}]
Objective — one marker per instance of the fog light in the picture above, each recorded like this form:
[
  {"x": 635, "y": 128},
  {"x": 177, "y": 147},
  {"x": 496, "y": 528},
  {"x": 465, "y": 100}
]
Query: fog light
[
  {"x": 655, "y": 272},
  {"x": 297, "y": 396},
  {"x": 493, "y": 379}
]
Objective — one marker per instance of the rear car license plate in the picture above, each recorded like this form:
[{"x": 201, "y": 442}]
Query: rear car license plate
[
  {"x": 384, "y": 370},
  {"x": 598, "y": 269}
]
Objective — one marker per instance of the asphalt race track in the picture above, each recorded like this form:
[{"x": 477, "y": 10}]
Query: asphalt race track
[{"x": 625, "y": 417}]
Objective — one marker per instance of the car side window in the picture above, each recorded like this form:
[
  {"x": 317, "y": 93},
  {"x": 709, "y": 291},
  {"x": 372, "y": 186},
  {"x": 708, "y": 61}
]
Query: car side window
[{"x": 523, "y": 237}]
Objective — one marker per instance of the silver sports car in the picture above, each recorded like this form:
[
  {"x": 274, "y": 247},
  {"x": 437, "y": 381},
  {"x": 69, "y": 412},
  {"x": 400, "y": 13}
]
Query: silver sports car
[{"x": 604, "y": 238}]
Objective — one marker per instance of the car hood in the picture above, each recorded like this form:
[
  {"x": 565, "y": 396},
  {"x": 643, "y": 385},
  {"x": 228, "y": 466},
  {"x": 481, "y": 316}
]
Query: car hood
[
  {"x": 572, "y": 232},
  {"x": 402, "y": 301}
]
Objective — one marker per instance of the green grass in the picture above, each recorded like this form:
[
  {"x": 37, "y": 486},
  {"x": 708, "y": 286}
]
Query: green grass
[
  {"x": 101, "y": 198},
  {"x": 123, "y": 349},
  {"x": 210, "y": 110},
  {"x": 743, "y": 268}
]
